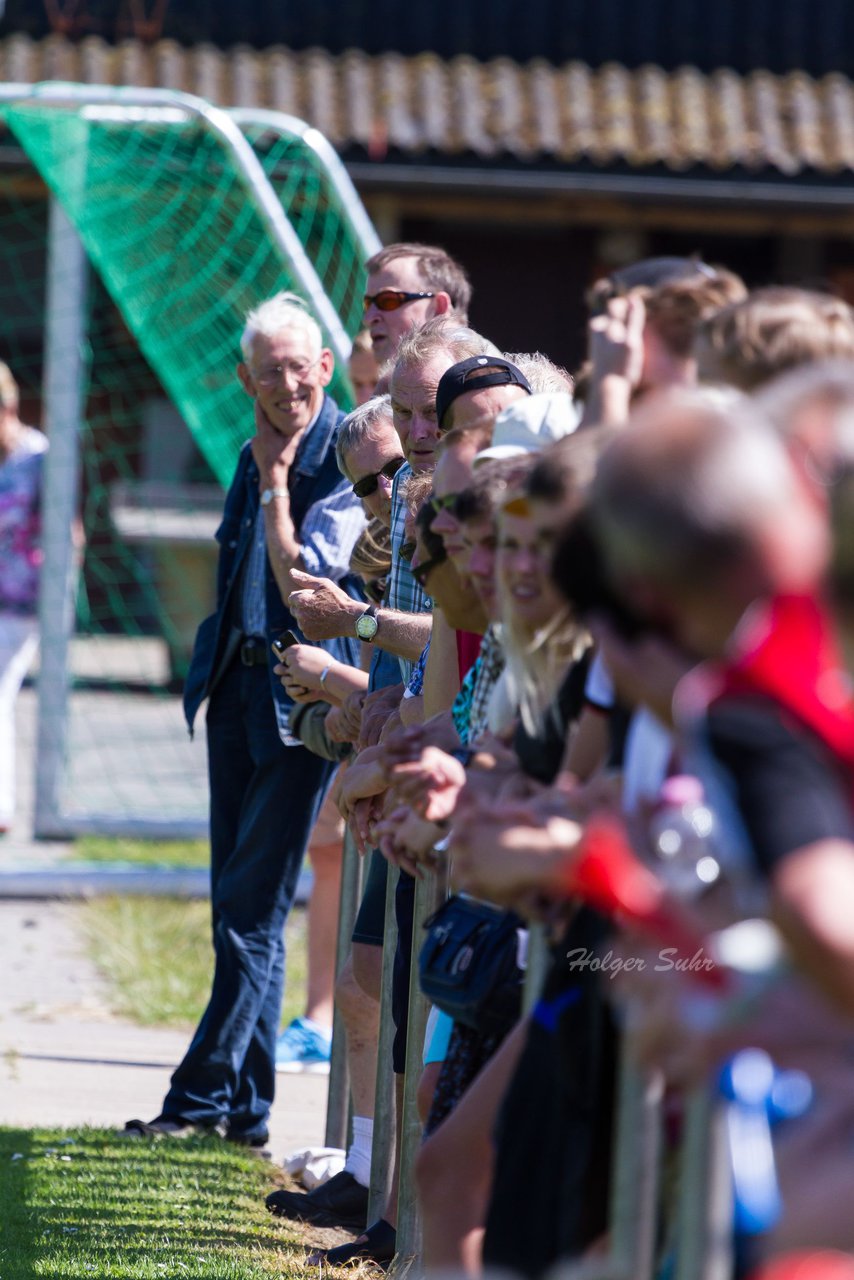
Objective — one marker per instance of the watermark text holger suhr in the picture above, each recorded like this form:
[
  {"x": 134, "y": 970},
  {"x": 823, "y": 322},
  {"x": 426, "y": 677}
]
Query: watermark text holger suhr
[{"x": 668, "y": 959}]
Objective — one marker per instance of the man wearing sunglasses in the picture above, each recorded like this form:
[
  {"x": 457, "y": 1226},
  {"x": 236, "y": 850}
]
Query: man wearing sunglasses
[{"x": 409, "y": 284}]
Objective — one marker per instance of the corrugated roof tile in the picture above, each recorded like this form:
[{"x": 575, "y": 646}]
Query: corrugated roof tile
[
  {"x": 653, "y": 123},
  {"x": 544, "y": 113},
  {"x": 432, "y": 99},
  {"x": 804, "y": 110},
  {"x": 579, "y": 111},
  {"x": 615, "y": 100},
  {"x": 281, "y": 81},
  {"x": 771, "y": 121},
  {"x": 471, "y": 103},
  {"x": 415, "y": 104},
  {"x": 690, "y": 116},
  {"x": 132, "y": 66},
  {"x": 837, "y": 95},
  {"x": 358, "y": 94},
  {"x": 507, "y": 85},
  {"x": 400, "y": 124},
  {"x": 245, "y": 78},
  {"x": 318, "y": 93},
  {"x": 208, "y": 74}
]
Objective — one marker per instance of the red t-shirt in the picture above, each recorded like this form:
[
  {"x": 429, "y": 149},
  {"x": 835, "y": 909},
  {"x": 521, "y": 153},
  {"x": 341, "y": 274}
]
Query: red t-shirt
[{"x": 468, "y": 648}]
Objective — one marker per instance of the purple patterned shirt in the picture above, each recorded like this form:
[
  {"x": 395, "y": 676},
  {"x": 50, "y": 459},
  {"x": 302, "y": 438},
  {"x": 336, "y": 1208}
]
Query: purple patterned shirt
[{"x": 20, "y": 524}]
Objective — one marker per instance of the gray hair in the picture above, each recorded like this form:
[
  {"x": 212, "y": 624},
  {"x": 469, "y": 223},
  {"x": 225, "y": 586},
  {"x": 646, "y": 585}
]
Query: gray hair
[
  {"x": 442, "y": 335},
  {"x": 542, "y": 373},
  {"x": 283, "y": 311},
  {"x": 359, "y": 425}
]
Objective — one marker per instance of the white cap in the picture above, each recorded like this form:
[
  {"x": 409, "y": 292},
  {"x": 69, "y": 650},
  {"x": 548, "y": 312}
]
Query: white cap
[{"x": 530, "y": 424}]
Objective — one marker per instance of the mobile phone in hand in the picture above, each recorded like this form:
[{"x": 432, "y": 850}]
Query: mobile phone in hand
[{"x": 283, "y": 642}]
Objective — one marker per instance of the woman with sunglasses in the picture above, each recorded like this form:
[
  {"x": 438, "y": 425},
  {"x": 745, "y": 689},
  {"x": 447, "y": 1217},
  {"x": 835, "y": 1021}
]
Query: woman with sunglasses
[{"x": 547, "y": 659}]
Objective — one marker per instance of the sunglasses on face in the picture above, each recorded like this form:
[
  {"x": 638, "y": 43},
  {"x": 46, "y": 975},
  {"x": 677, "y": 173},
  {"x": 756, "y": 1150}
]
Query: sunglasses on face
[
  {"x": 421, "y": 572},
  {"x": 369, "y": 484},
  {"x": 448, "y": 502},
  {"x": 392, "y": 299}
]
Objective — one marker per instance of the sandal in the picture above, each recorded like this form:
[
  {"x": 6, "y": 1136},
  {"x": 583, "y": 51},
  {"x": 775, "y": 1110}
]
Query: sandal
[{"x": 376, "y": 1244}]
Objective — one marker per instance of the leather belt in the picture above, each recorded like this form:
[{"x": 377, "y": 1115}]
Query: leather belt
[{"x": 253, "y": 652}]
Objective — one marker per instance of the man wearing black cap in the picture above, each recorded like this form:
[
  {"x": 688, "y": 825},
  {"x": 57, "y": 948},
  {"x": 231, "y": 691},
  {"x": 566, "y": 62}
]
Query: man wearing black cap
[
  {"x": 469, "y": 397},
  {"x": 479, "y": 387}
]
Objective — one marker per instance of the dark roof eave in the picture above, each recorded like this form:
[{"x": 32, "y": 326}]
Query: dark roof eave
[{"x": 806, "y": 190}]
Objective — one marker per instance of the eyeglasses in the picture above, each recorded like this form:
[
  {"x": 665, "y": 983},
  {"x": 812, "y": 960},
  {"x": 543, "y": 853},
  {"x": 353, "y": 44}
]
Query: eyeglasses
[
  {"x": 369, "y": 484},
  {"x": 421, "y": 572},
  {"x": 392, "y": 299},
  {"x": 448, "y": 502},
  {"x": 273, "y": 374},
  {"x": 407, "y": 550}
]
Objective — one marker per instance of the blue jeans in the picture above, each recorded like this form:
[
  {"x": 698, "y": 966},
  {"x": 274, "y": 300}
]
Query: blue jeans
[{"x": 264, "y": 801}]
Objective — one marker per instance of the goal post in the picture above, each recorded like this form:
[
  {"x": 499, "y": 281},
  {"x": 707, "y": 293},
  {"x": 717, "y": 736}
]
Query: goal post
[{"x": 189, "y": 215}]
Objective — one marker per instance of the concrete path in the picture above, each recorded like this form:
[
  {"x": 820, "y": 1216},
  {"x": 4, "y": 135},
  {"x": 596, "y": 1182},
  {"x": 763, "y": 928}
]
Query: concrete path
[{"x": 65, "y": 1060}]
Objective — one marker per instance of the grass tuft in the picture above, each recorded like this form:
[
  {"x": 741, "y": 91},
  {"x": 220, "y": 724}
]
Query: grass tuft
[
  {"x": 150, "y": 853},
  {"x": 156, "y": 958},
  {"x": 80, "y": 1203}
]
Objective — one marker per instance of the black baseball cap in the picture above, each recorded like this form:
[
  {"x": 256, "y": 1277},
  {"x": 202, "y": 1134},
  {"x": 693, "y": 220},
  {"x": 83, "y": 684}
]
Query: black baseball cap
[{"x": 466, "y": 376}]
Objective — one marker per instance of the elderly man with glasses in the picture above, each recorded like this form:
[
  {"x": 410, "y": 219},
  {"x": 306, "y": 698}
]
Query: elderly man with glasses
[{"x": 288, "y": 508}]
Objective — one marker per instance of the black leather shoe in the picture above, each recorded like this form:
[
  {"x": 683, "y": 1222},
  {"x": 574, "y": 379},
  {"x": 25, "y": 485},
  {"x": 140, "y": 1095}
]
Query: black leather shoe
[
  {"x": 170, "y": 1127},
  {"x": 340, "y": 1202},
  {"x": 376, "y": 1244}
]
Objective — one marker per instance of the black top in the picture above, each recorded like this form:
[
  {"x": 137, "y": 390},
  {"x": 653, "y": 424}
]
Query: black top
[
  {"x": 789, "y": 790},
  {"x": 540, "y": 754}
]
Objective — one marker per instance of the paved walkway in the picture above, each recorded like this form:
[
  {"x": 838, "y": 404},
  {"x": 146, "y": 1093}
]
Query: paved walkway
[{"x": 64, "y": 1060}]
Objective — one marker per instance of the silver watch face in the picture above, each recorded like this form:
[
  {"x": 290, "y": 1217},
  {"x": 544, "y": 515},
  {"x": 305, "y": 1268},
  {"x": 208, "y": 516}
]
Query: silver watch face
[
  {"x": 266, "y": 497},
  {"x": 366, "y": 627}
]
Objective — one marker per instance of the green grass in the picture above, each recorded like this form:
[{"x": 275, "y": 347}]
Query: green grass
[
  {"x": 85, "y": 1203},
  {"x": 152, "y": 853},
  {"x": 155, "y": 955}
]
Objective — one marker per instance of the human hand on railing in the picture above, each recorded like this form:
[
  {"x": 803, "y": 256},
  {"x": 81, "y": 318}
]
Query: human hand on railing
[
  {"x": 362, "y": 820},
  {"x": 503, "y": 854},
  {"x": 351, "y": 715},
  {"x": 364, "y": 777},
  {"x": 429, "y": 784},
  {"x": 407, "y": 841},
  {"x": 335, "y": 726},
  {"x": 376, "y": 709}
]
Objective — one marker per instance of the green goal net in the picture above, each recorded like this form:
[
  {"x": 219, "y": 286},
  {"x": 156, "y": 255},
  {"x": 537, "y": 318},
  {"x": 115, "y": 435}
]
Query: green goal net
[{"x": 180, "y": 248}]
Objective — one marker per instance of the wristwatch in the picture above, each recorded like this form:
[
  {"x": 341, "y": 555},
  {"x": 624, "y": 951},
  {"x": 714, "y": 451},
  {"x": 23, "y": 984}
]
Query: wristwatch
[
  {"x": 269, "y": 494},
  {"x": 366, "y": 623}
]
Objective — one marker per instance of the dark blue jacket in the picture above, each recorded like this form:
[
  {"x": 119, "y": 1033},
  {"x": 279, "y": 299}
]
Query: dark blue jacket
[{"x": 313, "y": 476}]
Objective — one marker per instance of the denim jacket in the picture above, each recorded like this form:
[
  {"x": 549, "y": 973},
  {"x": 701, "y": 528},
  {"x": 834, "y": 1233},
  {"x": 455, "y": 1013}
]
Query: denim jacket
[{"x": 313, "y": 476}]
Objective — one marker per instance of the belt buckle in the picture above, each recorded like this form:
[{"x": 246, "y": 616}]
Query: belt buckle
[{"x": 247, "y": 653}]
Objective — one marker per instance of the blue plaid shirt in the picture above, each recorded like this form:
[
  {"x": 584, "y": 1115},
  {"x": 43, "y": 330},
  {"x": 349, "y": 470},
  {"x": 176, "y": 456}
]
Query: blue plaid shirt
[
  {"x": 329, "y": 533},
  {"x": 402, "y": 591}
]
